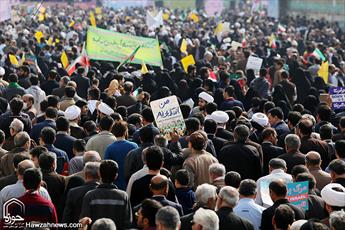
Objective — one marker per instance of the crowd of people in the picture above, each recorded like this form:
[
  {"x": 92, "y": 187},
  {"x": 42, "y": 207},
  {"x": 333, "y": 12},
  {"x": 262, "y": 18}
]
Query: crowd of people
[{"x": 85, "y": 148}]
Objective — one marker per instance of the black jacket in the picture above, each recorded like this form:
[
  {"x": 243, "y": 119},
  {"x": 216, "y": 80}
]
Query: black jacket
[
  {"x": 266, "y": 220},
  {"x": 106, "y": 201},
  {"x": 7, "y": 118},
  {"x": 165, "y": 202},
  {"x": 218, "y": 142},
  {"x": 292, "y": 159},
  {"x": 83, "y": 84},
  {"x": 242, "y": 158},
  {"x": 65, "y": 143},
  {"x": 229, "y": 220},
  {"x": 74, "y": 200},
  {"x": 270, "y": 151}
]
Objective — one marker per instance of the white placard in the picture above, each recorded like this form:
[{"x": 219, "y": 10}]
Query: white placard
[
  {"x": 168, "y": 115},
  {"x": 254, "y": 63}
]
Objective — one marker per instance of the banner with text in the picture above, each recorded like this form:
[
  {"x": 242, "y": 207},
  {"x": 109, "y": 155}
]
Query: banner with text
[
  {"x": 112, "y": 46},
  {"x": 338, "y": 97},
  {"x": 168, "y": 115}
]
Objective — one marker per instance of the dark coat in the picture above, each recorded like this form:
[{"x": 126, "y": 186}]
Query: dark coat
[
  {"x": 218, "y": 142},
  {"x": 77, "y": 132},
  {"x": 165, "y": 202},
  {"x": 229, "y": 220},
  {"x": 266, "y": 220},
  {"x": 65, "y": 143},
  {"x": 56, "y": 188},
  {"x": 242, "y": 158},
  {"x": 7, "y": 167},
  {"x": 270, "y": 151},
  {"x": 74, "y": 199},
  {"x": 7, "y": 118},
  {"x": 126, "y": 100},
  {"x": 311, "y": 144},
  {"x": 83, "y": 84},
  {"x": 8, "y": 180},
  {"x": 49, "y": 86},
  {"x": 316, "y": 208},
  {"x": 106, "y": 201},
  {"x": 36, "y": 129},
  {"x": 60, "y": 92},
  {"x": 225, "y": 134},
  {"x": 292, "y": 159}
]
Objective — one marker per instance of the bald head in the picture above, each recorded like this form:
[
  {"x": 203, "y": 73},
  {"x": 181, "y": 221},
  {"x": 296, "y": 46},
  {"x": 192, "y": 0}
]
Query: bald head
[
  {"x": 313, "y": 159},
  {"x": 24, "y": 165},
  {"x": 91, "y": 156},
  {"x": 159, "y": 185}
]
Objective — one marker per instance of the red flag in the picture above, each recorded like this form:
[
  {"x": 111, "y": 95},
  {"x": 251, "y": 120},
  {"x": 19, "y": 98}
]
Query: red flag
[{"x": 83, "y": 60}]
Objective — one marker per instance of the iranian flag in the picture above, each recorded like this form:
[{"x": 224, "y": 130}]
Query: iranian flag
[
  {"x": 130, "y": 58},
  {"x": 82, "y": 60}
]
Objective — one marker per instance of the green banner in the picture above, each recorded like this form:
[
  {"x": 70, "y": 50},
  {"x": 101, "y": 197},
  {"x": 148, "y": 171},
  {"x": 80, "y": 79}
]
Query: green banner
[{"x": 112, "y": 46}]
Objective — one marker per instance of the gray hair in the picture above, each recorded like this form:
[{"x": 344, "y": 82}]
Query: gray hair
[
  {"x": 21, "y": 138},
  {"x": 337, "y": 220},
  {"x": 241, "y": 133},
  {"x": 91, "y": 156},
  {"x": 17, "y": 125},
  {"x": 91, "y": 169},
  {"x": 204, "y": 192},
  {"x": 161, "y": 141},
  {"x": 292, "y": 141},
  {"x": 104, "y": 224},
  {"x": 277, "y": 163},
  {"x": 168, "y": 217},
  {"x": 217, "y": 169},
  {"x": 208, "y": 219},
  {"x": 229, "y": 195}
]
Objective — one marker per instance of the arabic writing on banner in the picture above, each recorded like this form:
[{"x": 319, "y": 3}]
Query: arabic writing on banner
[
  {"x": 168, "y": 115},
  {"x": 298, "y": 194},
  {"x": 338, "y": 97},
  {"x": 112, "y": 46}
]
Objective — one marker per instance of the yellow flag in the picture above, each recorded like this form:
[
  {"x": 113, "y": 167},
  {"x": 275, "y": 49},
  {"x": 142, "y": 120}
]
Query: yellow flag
[
  {"x": 64, "y": 60},
  {"x": 187, "y": 61},
  {"x": 144, "y": 68},
  {"x": 41, "y": 17},
  {"x": 323, "y": 71},
  {"x": 50, "y": 41},
  {"x": 166, "y": 16},
  {"x": 183, "y": 47},
  {"x": 23, "y": 58},
  {"x": 42, "y": 9},
  {"x": 71, "y": 23},
  {"x": 57, "y": 40},
  {"x": 92, "y": 19},
  {"x": 13, "y": 59},
  {"x": 194, "y": 17},
  {"x": 219, "y": 28},
  {"x": 38, "y": 36},
  {"x": 98, "y": 10}
]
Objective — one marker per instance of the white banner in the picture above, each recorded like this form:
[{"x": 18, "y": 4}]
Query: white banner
[
  {"x": 5, "y": 10},
  {"x": 154, "y": 22}
]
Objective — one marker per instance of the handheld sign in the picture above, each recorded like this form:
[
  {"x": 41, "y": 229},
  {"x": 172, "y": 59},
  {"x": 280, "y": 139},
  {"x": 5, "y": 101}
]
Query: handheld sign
[
  {"x": 254, "y": 63},
  {"x": 168, "y": 116},
  {"x": 338, "y": 97},
  {"x": 298, "y": 194}
]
